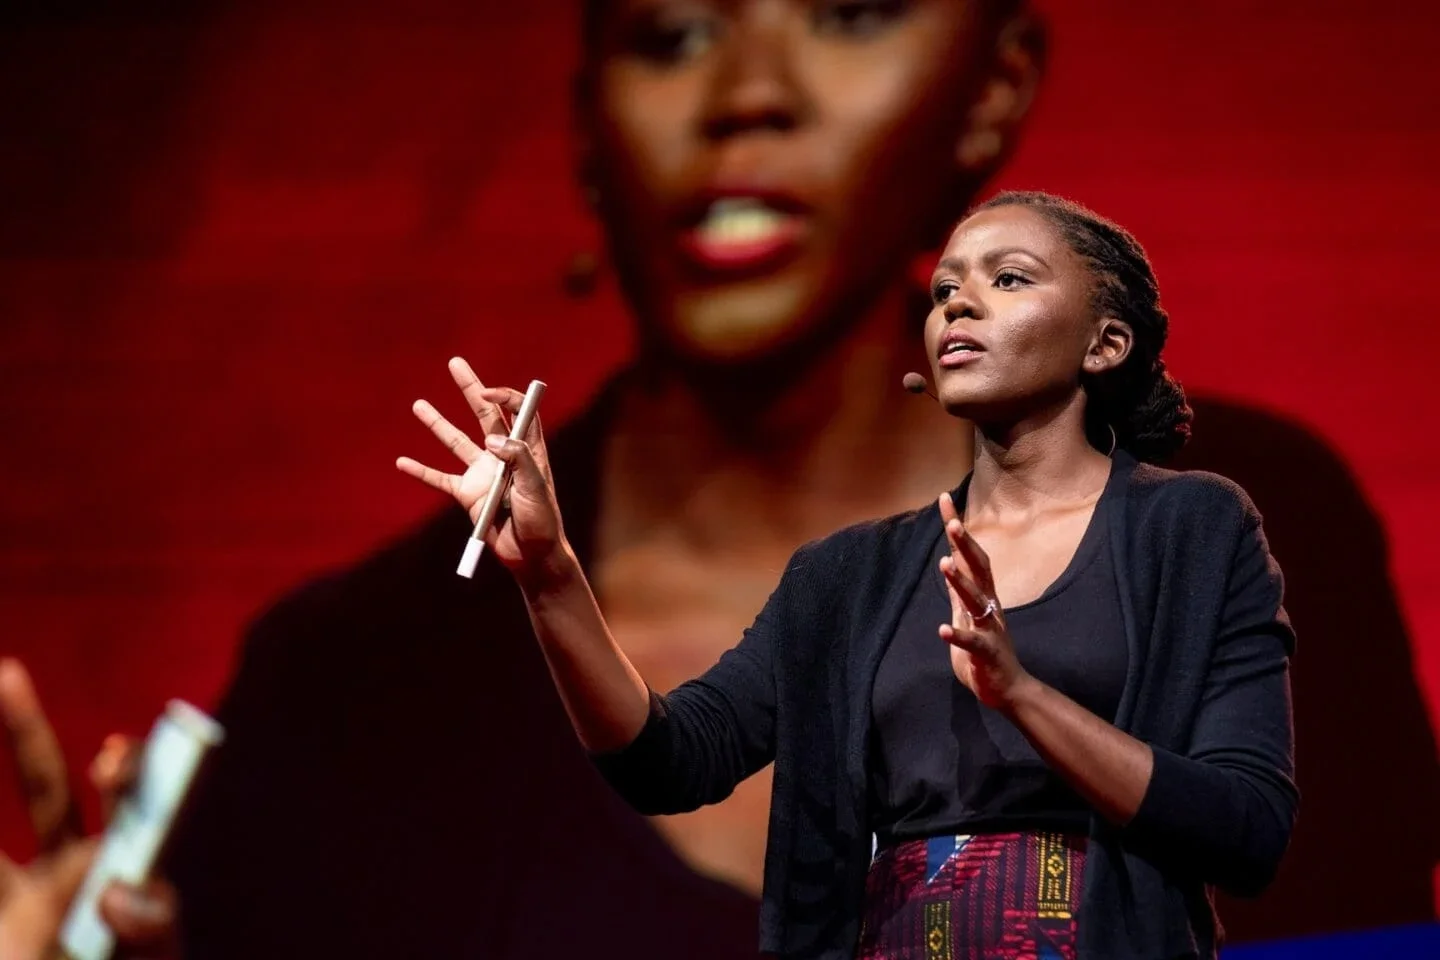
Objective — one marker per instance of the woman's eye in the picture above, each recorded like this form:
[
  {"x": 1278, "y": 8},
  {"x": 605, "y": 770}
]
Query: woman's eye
[
  {"x": 1009, "y": 280},
  {"x": 857, "y": 18},
  {"x": 944, "y": 291},
  {"x": 671, "y": 38}
]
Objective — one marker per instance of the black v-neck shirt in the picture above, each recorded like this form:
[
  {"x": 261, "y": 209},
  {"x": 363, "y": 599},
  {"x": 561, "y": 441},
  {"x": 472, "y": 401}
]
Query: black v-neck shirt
[{"x": 942, "y": 762}]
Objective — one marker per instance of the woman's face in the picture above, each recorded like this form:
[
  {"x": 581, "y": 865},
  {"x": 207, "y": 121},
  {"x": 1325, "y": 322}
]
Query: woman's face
[
  {"x": 1012, "y": 321},
  {"x": 768, "y": 167}
]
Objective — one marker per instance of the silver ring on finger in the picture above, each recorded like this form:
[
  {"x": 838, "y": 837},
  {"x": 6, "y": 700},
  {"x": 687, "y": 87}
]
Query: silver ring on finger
[{"x": 991, "y": 607}]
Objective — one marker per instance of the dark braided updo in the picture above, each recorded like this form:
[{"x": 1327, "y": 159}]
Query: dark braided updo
[{"x": 1139, "y": 400}]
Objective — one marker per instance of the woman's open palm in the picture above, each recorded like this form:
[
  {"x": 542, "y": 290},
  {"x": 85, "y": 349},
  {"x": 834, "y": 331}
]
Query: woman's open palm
[{"x": 527, "y": 531}]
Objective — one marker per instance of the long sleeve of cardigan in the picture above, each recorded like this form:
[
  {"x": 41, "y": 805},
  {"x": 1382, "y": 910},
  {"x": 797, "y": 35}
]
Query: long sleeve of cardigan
[
  {"x": 710, "y": 733},
  {"x": 1224, "y": 808}
]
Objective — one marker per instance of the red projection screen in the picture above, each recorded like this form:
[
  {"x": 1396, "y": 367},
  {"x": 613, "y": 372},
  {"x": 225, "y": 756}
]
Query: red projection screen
[{"x": 237, "y": 240}]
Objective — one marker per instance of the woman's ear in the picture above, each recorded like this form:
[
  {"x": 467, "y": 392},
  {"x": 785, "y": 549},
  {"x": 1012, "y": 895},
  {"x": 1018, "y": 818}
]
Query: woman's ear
[
  {"x": 1112, "y": 344},
  {"x": 1005, "y": 97}
]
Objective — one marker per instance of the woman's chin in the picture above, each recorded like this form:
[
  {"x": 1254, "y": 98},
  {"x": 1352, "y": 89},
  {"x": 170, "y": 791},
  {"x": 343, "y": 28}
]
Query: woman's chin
[
  {"x": 963, "y": 402},
  {"x": 738, "y": 324}
]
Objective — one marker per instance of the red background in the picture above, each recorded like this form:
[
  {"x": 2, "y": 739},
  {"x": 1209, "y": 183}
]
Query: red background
[{"x": 234, "y": 245}]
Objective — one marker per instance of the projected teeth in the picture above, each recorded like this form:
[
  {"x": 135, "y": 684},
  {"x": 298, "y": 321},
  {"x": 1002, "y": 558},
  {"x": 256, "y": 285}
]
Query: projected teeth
[{"x": 739, "y": 221}]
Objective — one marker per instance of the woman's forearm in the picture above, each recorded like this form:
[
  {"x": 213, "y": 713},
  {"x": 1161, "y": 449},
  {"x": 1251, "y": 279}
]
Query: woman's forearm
[
  {"x": 605, "y": 697},
  {"x": 1108, "y": 768}
]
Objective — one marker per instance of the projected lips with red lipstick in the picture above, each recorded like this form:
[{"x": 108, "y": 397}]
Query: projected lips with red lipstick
[{"x": 737, "y": 234}]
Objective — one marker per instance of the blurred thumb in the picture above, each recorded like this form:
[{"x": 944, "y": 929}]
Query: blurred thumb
[
  {"x": 113, "y": 770},
  {"x": 142, "y": 917}
]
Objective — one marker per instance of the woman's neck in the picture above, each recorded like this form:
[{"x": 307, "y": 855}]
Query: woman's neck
[
  {"x": 1024, "y": 469},
  {"x": 780, "y": 460}
]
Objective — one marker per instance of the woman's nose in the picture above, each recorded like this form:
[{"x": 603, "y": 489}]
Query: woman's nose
[{"x": 754, "y": 88}]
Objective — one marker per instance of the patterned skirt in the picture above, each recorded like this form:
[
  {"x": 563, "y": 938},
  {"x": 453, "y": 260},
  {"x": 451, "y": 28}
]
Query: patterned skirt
[{"x": 999, "y": 896}]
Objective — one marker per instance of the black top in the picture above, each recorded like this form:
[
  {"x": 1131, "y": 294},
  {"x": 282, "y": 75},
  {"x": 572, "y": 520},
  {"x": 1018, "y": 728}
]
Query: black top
[
  {"x": 944, "y": 763},
  {"x": 1206, "y": 686}
]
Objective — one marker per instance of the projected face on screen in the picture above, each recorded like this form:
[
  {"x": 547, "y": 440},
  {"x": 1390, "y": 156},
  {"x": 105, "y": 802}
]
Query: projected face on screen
[{"x": 765, "y": 169}]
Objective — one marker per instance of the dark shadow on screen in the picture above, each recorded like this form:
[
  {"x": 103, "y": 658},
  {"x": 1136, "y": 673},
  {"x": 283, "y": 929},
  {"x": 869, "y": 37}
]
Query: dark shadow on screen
[{"x": 1367, "y": 838}]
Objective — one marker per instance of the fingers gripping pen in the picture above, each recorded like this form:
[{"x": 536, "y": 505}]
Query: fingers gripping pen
[{"x": 476, "y": 544}]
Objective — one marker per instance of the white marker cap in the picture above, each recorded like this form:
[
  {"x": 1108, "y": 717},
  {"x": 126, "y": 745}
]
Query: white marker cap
[{"x": 470, "y": 558}]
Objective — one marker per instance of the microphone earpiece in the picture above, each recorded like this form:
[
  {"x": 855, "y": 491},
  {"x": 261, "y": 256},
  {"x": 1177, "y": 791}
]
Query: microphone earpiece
[{"x": 917, "y": 384}]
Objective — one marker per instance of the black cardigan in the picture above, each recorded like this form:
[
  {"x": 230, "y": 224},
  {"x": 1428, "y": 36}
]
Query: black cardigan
[{"x": 1207, "y": 687}]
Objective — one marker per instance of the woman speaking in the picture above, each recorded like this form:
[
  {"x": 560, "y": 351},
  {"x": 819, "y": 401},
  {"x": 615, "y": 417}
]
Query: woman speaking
[{"x": 1043, "y": 716}]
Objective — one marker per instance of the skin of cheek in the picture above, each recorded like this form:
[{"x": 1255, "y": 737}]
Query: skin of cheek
[{"x": 1035, "y": 346}]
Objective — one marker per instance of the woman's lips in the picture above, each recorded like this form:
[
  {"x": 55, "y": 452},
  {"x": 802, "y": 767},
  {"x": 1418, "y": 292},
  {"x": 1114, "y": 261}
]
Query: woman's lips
[
  {"x": 742, "y": 235},
  {"x": 959, "y": 358}
]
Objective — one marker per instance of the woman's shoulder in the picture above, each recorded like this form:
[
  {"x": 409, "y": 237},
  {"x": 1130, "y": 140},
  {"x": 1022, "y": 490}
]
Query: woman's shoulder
[
  {"x": 1189, "y": 494},
  {"x": 895, "y": 530},
  {"x": 862, "y": 547}
]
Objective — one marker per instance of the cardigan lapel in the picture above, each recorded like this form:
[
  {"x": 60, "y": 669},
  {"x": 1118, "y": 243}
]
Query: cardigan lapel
[
  {"x": 1135, "y": 645},
  {"x": 872, "y": 635}
]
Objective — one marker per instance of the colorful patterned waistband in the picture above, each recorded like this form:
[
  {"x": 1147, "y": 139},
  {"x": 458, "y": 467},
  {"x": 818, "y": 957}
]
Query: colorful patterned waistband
[{"x": 998, "y": 896}]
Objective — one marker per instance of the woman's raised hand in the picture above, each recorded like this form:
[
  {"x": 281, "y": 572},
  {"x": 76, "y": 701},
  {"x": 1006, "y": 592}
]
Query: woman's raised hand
[
  {"x": 527, "y": 536},
  {"x": 982, "y": 654}
]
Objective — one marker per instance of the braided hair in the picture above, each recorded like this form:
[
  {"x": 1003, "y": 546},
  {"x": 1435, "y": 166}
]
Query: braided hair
[{"x": 1139, "y": 399}]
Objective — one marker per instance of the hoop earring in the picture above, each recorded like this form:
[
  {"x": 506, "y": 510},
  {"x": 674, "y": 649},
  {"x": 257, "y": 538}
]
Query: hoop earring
[{"x": 1114, "y": 441}]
